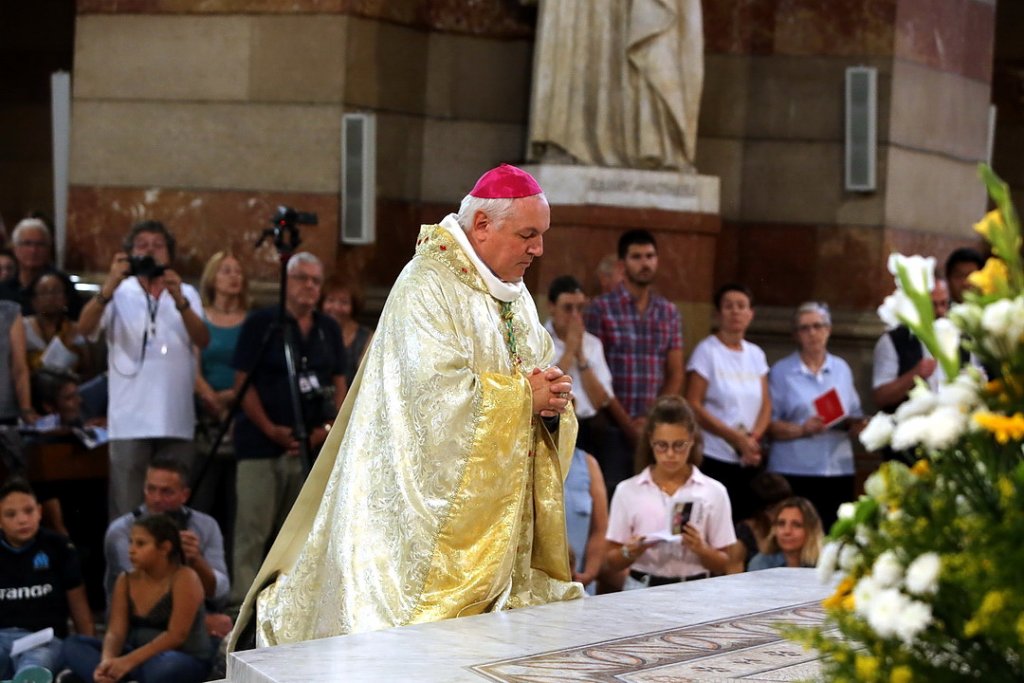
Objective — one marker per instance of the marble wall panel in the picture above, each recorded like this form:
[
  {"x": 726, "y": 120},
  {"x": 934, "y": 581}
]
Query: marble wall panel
[
  {"x": 740, "y": 27},
  {"x": 799, "y": 27},
  {"x": 456, "y": 153},
  {"x": 280, "y": 147},
  {"x": 25, "y": 185},
  {"x": 837, "y": 27},
  {"x": 300, "y": 58},
  {"x": 726, "y": 96},
  {"x": 939, "y": 111},
  {"x": 802, "y": 182},
  {"x": 386, "y": 66},
  {"x": 927, "y": 244},
  {"x": 955, "y": 36},
  {"x": 162, "y": 57},
  {"x": 723, "y": 158},
  {"x": 495, "y": 18},
  {"x": 478, "y": 79},
  {"x": 786, "y": 263},
  {"x": 400, "y": 158},
  {"x": 803, "y": 98},
  {"x": 203, "y": 222},
  {"x": 931, "y": 193}
]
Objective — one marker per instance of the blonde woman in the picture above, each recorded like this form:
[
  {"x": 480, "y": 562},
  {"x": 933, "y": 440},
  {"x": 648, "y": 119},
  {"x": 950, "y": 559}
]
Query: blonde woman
[
  {"x": 225, "y": 292},
  {"x": 795, "y": 538}
]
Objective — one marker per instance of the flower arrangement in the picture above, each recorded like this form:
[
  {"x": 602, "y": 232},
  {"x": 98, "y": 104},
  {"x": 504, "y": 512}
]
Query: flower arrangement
[{"x": 931, "y": 558}]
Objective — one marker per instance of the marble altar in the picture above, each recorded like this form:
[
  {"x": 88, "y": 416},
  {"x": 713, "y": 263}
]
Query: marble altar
[{"x": 716, "y": 629}]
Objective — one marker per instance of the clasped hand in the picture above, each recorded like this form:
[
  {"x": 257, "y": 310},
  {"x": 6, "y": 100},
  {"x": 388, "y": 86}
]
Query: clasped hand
[{"x": 552, "y": 391}]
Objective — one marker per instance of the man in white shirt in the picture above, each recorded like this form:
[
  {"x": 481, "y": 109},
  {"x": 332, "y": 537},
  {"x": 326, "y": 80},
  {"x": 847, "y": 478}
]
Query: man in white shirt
[
  {"x": 151, "y": 319},
  {"x": 581, "y": 355}
]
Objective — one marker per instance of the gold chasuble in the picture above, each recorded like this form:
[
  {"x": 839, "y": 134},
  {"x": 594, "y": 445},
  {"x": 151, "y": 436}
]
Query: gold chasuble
[{"x": 438, "y": 493}]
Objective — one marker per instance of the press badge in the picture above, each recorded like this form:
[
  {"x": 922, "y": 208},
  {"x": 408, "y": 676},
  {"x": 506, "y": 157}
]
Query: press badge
[{"x": 308, "y": 382}]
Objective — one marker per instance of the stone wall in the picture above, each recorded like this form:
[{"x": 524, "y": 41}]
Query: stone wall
[
  {"x": 772, "y": 126},
  {"x": 209, "y": 114}
]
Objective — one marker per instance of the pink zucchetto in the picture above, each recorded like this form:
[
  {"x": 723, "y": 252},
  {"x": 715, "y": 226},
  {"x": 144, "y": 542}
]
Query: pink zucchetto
[{"x": 505, "y": 182}]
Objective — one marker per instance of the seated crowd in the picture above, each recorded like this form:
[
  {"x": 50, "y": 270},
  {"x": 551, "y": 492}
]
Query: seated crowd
[{"x": 682, "y": 471}]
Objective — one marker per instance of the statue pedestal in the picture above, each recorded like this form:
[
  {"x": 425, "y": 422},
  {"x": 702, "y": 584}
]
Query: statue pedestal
[
  {"x": 591, "y": 207},
  {"x": 625, "y": 187}
]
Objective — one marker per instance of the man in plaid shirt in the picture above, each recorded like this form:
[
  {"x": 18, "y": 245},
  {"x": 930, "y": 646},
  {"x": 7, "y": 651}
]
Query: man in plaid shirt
[{"x": 643, "y": 342}]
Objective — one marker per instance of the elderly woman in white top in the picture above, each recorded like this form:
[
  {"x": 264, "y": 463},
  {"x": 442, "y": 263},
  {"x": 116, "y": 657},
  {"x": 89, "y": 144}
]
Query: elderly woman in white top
[{"x": 813, "y": 452}]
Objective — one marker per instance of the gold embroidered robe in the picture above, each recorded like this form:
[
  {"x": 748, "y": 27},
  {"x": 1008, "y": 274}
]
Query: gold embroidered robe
[{"x": 438, "y": 493}]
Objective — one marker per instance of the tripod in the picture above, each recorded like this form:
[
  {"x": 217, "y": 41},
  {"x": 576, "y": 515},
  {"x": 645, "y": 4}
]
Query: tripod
[{"x": 285, "y": 236}]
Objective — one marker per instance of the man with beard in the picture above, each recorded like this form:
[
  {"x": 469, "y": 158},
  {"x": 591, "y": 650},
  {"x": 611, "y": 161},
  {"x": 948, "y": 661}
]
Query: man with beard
[{"x": 643, "y": 342}]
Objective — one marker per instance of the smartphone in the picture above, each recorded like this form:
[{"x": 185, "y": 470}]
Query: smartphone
[{"x": 681, "y": 516}]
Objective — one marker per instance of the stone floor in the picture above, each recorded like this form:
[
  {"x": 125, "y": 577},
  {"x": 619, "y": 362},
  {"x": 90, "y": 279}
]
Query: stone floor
[{"x": 717, "y": 629}]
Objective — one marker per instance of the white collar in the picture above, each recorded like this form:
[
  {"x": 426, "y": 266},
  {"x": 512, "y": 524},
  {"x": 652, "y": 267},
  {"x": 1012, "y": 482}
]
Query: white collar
[{"x": 499, "y": 289}]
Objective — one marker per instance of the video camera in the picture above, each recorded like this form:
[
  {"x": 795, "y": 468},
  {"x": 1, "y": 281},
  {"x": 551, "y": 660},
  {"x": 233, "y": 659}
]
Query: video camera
[{"x": 287, "y": 217}]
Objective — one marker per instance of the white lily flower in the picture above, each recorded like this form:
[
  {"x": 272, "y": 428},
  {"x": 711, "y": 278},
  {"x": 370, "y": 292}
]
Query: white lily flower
[
  {"x": 877, "y": 432},
  {"x": 923, "y": 574},
  {"x": 910, "y": 432},
  {"x": 945, "y": 425},
  {"x": 966, "y": 315},
  {"x": 948, "y": 337},
  {"x": 863, "y": 595},
  {"x": 920, "y": 271},
  {"x": 874, "y": 485},
  {"x": 898, "y": 309},
  {"x": 961, "y": 393},
  {"x": 884, "y": 611},
  {"x": 1003, "y": 320},
  {"x": 887, "y": 569},
  {"x": 914, "y": 617},
  {"x": 827, "y": 561},
  {"x": 849, "y": 556},
  {"x": 920, "y": 401}
]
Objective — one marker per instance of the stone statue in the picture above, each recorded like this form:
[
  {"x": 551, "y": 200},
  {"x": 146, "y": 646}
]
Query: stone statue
[{"x": 617, "y": 83}]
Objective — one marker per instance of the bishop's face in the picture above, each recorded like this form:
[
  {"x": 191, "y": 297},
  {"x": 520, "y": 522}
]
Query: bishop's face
[{"x": 509, "y": 247}]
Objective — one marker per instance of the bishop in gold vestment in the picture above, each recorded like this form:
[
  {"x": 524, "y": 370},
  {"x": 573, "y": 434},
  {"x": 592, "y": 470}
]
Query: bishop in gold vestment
[{"x": 438, "y": 493}]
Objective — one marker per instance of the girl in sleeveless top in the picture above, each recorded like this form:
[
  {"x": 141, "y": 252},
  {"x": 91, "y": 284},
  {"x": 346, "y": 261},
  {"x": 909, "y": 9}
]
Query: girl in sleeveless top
[{"x": 155, "y": 631}]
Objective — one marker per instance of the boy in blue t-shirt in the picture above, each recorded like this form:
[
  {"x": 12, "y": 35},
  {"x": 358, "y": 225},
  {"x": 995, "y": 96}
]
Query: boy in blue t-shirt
[{"x": 40, "y": 582}]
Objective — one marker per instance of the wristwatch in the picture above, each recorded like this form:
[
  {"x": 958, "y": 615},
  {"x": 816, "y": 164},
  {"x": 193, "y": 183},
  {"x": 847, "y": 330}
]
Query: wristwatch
[
  {"x": 183, "y": 305},
  {"x": 625, "y": 552}
]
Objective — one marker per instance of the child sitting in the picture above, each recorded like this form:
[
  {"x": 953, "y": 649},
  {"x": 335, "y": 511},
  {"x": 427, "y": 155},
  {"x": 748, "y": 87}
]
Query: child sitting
[
  {"x": 156, "y": 631},
  {"x": 40, "y": 582}
]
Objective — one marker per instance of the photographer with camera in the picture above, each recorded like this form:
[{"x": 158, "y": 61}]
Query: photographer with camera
[
  {"x": 151, "y": 319},
  {"x": 269, "y": 471}
]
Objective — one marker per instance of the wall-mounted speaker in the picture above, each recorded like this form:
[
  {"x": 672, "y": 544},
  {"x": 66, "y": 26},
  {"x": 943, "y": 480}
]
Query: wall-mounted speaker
[
  {"x": 861, "y": 128},
  {"x": 358, "y": 178}
]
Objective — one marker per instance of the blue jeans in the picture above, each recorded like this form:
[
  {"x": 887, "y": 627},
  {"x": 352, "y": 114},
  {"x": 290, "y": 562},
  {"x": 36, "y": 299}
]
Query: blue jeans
[
  {"x": 46, "y": 656},
  {"x": 82, "y": 655}
]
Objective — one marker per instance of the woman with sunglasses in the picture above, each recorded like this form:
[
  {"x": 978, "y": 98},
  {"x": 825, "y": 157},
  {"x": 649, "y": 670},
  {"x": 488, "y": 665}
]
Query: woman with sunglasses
[
  {"x": 813, "y": 452},
  {"x": 670, "y": 522}
]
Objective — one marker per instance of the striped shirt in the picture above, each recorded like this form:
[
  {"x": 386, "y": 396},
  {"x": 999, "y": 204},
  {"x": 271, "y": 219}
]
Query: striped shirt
[{"x": 636, "y": 345}]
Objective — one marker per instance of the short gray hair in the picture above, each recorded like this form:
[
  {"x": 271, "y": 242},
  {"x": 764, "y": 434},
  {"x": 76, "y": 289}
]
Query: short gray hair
[
  {"x": 26, "y": 224},
  {"x": 302, "y": 257},
  {"x": 498, "y": 210},
  {"x": 819, "y": 307}
]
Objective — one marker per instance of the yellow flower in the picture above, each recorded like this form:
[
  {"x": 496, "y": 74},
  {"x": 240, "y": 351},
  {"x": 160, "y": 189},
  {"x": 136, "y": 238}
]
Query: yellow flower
[
  {"x": 1006, "y": 490},
  {"x": 842, "y": 590},
  {"x": 983, "y": 227},
  {"x": 921, "y": 468},
  {"x": 901, "y": 674},
  {"x": 992, "y": 278},
  {"x": 991, "y": 604},
  {"x": 867, "y": 667},
  {"x": 1005, "y": 428}
]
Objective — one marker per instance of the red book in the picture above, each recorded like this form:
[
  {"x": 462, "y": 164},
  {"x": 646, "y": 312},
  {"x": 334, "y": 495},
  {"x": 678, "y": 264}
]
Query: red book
[{"x": 829, "y": 407}]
